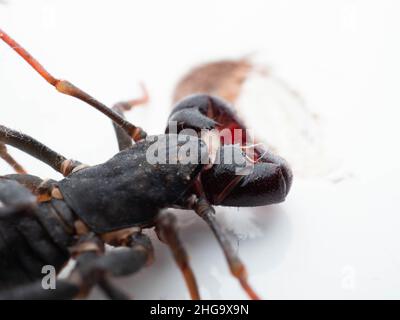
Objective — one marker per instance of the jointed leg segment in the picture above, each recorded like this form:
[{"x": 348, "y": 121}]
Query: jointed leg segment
[
  {"x": 37, "y": 150},
  {"x": 167, "y": 232},
  {"x": 68, "y": 88},
  {"x": 10, "y": 160},
  {"x": 203, "y": 208},
  {"x": 93, "y": 267},
  {"x": 124, "y": 140}
]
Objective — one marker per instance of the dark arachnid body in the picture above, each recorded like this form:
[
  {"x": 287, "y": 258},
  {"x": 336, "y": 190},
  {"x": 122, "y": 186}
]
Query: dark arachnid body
[
  {"x": 48, "y": 222},
  {"x": 30, "y": 241}
]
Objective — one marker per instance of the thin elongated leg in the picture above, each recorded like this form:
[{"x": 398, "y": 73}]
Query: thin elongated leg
[
  {"x": 34, "y": 291},
  {"x": 166, "y": 229},
  {"x": 10, "y": 160},
  {"x": 111, "y": 290},
  {"x": 124, "y": 140},
  {"x": 207, "y": 213},
  {"x": 37, "y": 150},
  {"x": 68, "y": 88},
  {"x": 87, "y": 274}
]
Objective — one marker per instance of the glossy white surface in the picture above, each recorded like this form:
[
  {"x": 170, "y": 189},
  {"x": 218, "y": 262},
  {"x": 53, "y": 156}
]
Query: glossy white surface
[{"x": 328, "y": 240}]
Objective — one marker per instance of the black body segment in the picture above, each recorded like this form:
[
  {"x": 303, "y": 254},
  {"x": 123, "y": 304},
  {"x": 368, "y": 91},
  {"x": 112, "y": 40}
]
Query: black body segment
[
  {"x": 13, "y": 193},
  {"x": 128, "y": 189},
  {"x": 30, "y": 238},
  {"x": 202, "y": 111}
]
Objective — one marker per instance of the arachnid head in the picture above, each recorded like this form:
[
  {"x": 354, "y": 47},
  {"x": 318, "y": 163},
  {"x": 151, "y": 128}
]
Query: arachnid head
[{"x": 242, "y": 173}]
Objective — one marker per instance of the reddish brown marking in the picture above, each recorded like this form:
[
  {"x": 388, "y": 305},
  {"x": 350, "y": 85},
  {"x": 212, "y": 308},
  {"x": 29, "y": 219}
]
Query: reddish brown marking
[
  {"x": 144, "y": 99},
  {"x": 28, "y": 58},
  {"x": 245, "y": 285}
]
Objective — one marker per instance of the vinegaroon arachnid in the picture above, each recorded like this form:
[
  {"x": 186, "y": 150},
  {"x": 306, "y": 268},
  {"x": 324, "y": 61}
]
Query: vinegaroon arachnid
[{"x": 48, "y": 222}]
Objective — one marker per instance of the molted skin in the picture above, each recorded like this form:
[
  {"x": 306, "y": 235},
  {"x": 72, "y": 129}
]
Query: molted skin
[
  {"x": 271, "y": 178},
  {"x": 127, "y": 190}
]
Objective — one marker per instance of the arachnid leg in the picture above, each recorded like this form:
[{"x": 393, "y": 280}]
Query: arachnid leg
[
  {"x": 111, "y": 290},
  {"x": 44, "y": 190},
  {"x": 38, "y": 150},
  {"x": 124, "y": 140},
  {"x": 203, "y": 208},
  {"x": 75, "y": 286},
  {"x": 68, "y": 88},
  {"x": 88, "y": 273},
  {"x": 34, "y": 291},
  {"x": 10, "y": 160},
  {"x": 27, "y": 180},
  {"x": 16, "y": 199},
  {"x": 81, "y": 280},
  {"x": 95, "y": 267},
  {"x": 166, "y": 229}
]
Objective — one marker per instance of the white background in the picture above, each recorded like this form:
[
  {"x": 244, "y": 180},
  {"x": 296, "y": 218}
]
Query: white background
[{"x": 328, "y": 240}]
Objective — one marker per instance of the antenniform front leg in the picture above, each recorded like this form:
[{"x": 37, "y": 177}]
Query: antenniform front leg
[
  {"x": 38, "y": 150},
  {"x": 68, "y": 88}
]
